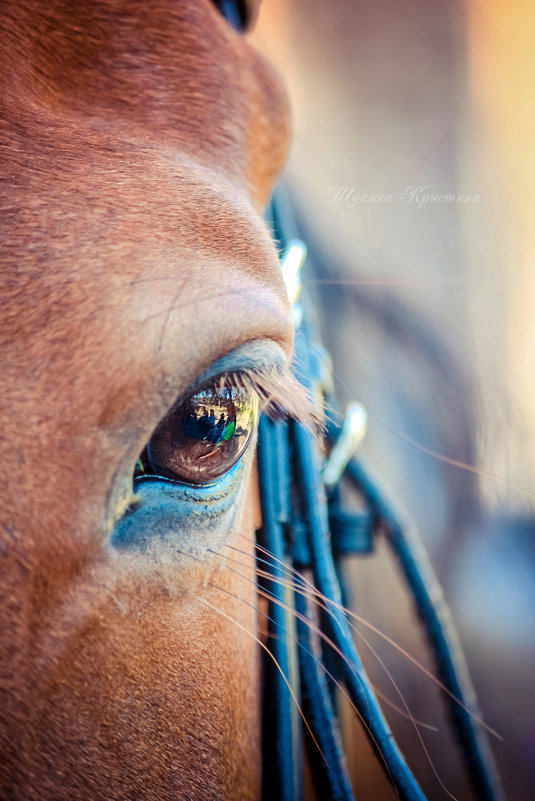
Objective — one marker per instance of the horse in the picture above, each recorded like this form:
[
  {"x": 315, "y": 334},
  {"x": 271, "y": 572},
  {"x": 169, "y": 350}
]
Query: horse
[
  {"x": 142, "y": 302},
  {"x": 141, "y": 142}
]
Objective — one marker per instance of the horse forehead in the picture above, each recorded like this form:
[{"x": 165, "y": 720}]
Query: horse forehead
[
  {"x": 118, "y": 221},
  {"x": 159, "y": 261},
  {"x": 136, "y": 253},
  {"x": 169, "y": 74},
  {"x": 149, "y": 207}
]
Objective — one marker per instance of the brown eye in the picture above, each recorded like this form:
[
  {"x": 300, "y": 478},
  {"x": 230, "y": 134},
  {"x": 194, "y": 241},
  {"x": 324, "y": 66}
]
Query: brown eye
[{"x": 202, "y": 437}]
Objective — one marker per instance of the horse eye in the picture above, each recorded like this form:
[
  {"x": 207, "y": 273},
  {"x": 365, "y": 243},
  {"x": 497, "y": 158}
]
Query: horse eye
[
  {"x": 203, "y": 436},
  {"x": 239, "y": 13}
]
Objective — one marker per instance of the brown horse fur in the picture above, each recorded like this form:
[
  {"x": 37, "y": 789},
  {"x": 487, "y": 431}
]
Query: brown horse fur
[{"x": 140, "y": 140}]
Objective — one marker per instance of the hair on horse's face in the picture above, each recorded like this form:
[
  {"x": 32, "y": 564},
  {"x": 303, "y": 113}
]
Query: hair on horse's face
[{"x": 140, "y": 142}]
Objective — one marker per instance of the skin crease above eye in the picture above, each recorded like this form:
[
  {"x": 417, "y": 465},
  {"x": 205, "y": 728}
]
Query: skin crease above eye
[{"x": 142, "y": 140}]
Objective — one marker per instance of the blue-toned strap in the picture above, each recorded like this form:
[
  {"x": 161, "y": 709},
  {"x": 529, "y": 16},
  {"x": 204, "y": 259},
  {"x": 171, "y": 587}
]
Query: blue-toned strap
[
  {"x": 328, "y": 768},
  {"x": 351, "y": 532},
  {"x": 442, "y": 636},
  {"x": 281, "y": 727},
  {"x": 356, "y": 680}
]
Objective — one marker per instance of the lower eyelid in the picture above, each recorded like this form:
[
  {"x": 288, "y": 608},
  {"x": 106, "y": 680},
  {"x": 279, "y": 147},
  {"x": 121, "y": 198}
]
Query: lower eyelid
[{"x": 187, "y": 518}]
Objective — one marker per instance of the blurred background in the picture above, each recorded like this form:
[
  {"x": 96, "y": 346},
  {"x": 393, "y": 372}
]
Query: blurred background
[{"x": 413, "y": 177}]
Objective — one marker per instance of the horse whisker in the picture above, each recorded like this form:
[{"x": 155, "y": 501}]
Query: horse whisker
[
  {"x": 383, "y": 636},
  {"x": 406, "y": 713},
  {"x": 328, "y": 641},
  {"x": 318, "y": 661},
  {"x": 331, "y": 644},
  {"x": 266, "y": 649}
]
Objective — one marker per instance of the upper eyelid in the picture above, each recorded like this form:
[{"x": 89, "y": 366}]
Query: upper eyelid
[
  {"x": 243, "y": 376},
  {"x": 255, "y": 362},
  {"x": 262, "y": 366}
]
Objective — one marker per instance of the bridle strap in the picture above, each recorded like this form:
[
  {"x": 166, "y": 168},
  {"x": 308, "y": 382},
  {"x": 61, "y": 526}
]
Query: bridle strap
[
  {"x": 452, "y": 669},
  {"x": 295, "y": 531},
  {"x": 281, "y": 746}
]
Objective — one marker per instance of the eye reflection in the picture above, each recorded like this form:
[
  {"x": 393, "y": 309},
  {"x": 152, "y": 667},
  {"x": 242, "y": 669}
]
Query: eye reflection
[{"x": 202, "y": 437}]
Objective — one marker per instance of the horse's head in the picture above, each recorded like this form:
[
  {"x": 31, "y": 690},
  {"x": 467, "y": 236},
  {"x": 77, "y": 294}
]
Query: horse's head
[{"x": 141, "y": 140}]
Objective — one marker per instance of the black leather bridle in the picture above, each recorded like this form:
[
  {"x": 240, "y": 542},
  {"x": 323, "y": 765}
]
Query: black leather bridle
[
  {"x": 304, "y": 538},
  {"x": 306, "y": 532}
]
